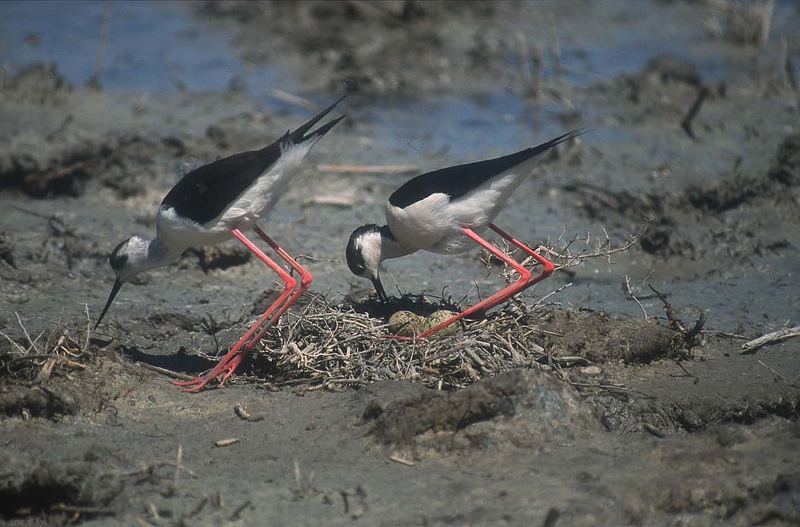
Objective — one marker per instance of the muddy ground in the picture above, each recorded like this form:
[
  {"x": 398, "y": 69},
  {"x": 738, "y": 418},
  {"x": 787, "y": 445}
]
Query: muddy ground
[{"x": 621, "y": 420}]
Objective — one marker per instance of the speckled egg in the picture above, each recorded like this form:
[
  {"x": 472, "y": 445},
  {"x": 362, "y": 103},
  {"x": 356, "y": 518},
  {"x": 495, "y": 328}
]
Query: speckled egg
[
  {"x": 438, "y": 317},
  {"x": 405, "y": 323}
]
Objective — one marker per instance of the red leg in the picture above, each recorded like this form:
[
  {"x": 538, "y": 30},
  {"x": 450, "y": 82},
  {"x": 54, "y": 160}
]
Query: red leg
[
  {"x": 525, "y": 280},
  {"x": 234, "y": 357},
  {"x": 305, "y": 276},
  {"x": 548, "y": 265}
]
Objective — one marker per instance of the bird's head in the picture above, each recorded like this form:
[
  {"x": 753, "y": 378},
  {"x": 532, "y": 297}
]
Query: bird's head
[
  {"x": 364, "y": 255},
  {"x": 128, "y": 259}
]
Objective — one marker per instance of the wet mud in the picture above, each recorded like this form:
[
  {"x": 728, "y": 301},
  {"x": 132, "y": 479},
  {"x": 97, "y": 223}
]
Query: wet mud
[{"x": 613, "y": 393}]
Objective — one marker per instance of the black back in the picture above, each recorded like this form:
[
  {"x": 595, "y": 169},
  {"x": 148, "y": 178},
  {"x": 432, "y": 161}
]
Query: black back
[
  {"x": 205, "y": 192},
  {"x": 458, "y": 180}
]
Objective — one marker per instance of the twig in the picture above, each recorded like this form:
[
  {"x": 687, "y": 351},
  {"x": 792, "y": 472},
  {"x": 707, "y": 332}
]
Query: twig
[
  {"x": 770, "y": 338},
  {"x": 101, "y": 46},
  {"x": 778, "y": 375},
  {"x": 89, "y": 511},
  {"x": 164, "y": 371},
  {"x": 629, "y": 292},
  {"x": 398, "y": 459},
  {"x": 27, "y": 336},
  {"x": 239, "y": 510},
  {"x": 178, "y": 465},
  {"x": 294, "y": 100},
  {"x": 611, "y": 387},
  {"x": 367, "y": 169},
  {"x": 555, "y": 49},
  {"x": 551, "y": 293},
  {"x": 13, "y": 342},
  {"x": 88, "y": 328},
  {"x": 686, "y": 123}
]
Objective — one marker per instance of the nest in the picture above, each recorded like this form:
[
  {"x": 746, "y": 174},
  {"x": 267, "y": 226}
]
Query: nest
[
  {"x": 347, "y": 344},
  {"x": 36, "y": 359}
]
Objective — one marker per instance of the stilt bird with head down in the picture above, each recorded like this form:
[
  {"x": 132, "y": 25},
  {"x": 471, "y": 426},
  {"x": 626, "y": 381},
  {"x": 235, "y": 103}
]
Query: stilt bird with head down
[
  {"x": 445, "y": 211},
  {"x": 217, "y": 202}
]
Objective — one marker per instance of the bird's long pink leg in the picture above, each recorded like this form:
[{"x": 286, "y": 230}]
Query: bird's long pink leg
[
  {"x": 234, "y": 357},
  {"x": 305, "y": 275},
  {"x": 504, "y": 294},
  {"x": 305, "y": 282},
  {"x": 547, "y": 264}
]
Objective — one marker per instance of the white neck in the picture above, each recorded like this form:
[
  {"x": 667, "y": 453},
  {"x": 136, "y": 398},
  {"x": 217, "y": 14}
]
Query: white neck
[
  {"x": 390, "y": 247},
  {"x": 146, "y": 255}
]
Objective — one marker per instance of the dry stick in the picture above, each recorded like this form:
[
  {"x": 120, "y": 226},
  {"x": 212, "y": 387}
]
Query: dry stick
[
  {"x": 555, "y": 50},
  {"x": 366, "y": 169},
  {"x": 726, "y": 334},
  {"x": 536, "y": 88},
  {"x": 551, "y": 293},
  {"x": 178, "y": 465},
  {"x": 610, "y": 387},
  {"x": 88, "y": 328},
  {"x": 292, "y": 99},
  {"x": 101, "y": 47},
  {"x": 629, "y": 292},
  {"x": 13, "y": 342},
  {"x": 778, "y": 375},
  {"x": 788, "y": 67},
  {"x": 27, "y": 336},
  {"x": 197, "y": 507},
  {"x": 91, "y": 511},
  {"x": 398, "y": 459},
  {"x": 686, "y": 123},
  {"x": 239, "y": 510},
  {"x": 164, "y": 371},
  {"x": 770, "y": 338}
]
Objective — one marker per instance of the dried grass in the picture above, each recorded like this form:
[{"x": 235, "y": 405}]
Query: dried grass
[
  {"x": 338, "y": 345},
  {"x": 37, "y": 360},
  {"x": 349, "y": 343}
]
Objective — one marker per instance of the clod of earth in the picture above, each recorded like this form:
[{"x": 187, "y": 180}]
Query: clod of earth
[
  {"x": 36, "y": 486},
  {"x": 35, "y": 401},
  {"x": 518, "y": 407}
]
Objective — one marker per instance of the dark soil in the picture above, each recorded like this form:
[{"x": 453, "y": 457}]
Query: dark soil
[{"x": 633, "y": 413}]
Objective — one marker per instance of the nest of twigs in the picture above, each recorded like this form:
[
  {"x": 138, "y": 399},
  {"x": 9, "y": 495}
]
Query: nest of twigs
[
  {"x": 344, "y": 345},
  {"x": 38, "y": 357}
]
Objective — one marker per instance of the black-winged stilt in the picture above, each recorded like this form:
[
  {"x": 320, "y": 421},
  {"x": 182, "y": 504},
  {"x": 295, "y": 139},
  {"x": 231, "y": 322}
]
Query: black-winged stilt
[
  {"x": 218, "y": 201},
  {"x": 442, "y": 212}
]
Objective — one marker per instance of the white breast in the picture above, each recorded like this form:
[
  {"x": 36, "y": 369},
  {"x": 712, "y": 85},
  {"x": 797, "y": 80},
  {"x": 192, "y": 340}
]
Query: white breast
[{"x": 434, "y": 223}]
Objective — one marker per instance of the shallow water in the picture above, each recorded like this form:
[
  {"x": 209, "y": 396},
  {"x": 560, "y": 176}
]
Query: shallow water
[{"x": 161, "y": 47}]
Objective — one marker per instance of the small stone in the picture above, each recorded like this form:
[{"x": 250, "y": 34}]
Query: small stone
[{"x": 590, "y": 370}]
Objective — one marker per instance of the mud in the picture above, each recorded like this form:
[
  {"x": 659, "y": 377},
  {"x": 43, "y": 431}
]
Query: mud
[{"x": 639, "y": 408}]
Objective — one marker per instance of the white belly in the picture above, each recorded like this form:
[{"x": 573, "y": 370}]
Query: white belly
[{"x": 434, "y": 223}]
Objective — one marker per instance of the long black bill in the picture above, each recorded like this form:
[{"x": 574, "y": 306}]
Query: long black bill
[
  {"x": 114, "y": 290},
  {"x": 379, "y": 289},
  {"x": 299, "y": 135}
]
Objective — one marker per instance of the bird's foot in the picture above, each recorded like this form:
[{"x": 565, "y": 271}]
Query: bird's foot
[{"x": 223, "y": 371}]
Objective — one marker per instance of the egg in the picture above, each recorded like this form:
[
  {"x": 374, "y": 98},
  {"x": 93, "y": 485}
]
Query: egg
[
  {"x": 405, "y": 323},
  {"x": 437, "y": 317}
]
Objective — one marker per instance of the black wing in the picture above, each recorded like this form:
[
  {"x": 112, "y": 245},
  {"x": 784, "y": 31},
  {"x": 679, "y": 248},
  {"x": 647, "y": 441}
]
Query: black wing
[
  {"x": 205, "y": 192},
  {"x": 457, "y": 180}
]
